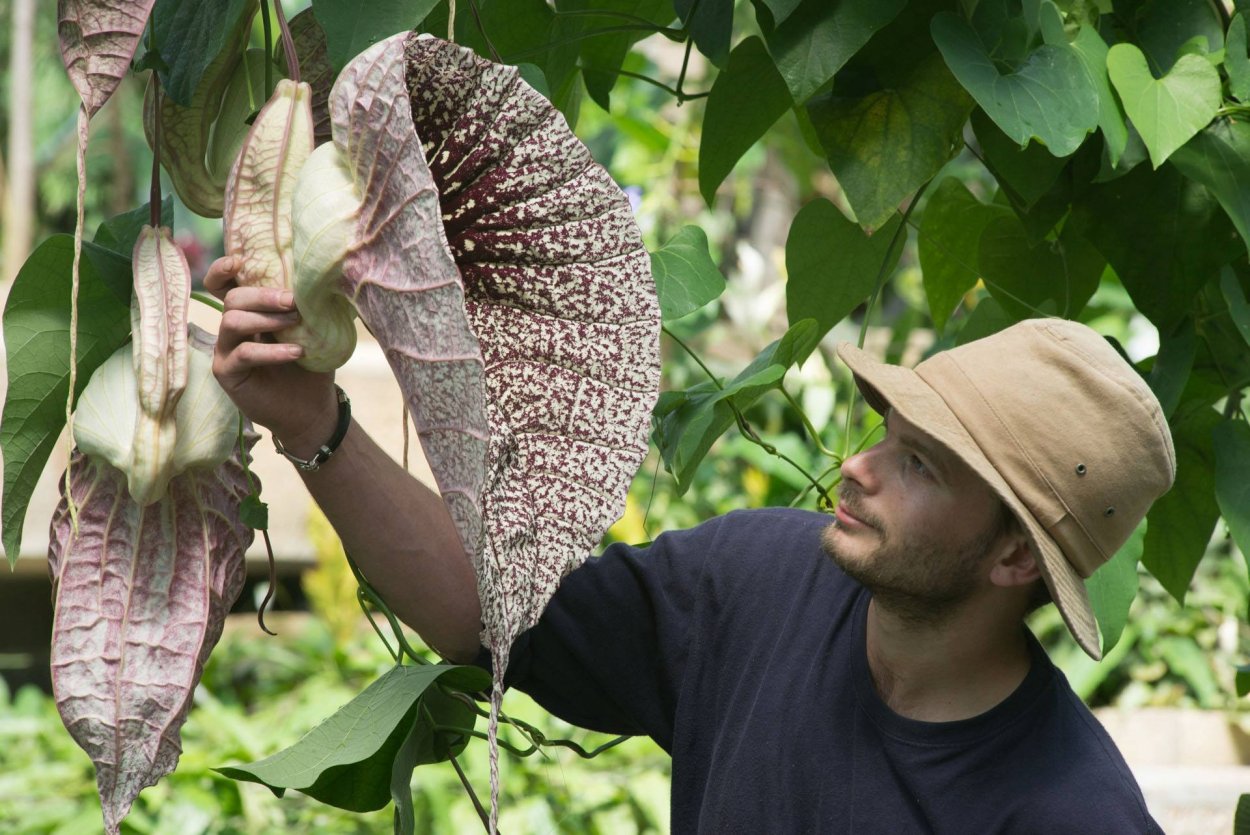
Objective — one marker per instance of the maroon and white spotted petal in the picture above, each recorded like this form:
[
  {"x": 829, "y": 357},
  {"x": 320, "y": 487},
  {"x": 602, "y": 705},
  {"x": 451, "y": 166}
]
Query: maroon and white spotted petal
[
  {"x": 559, "y": 291},
  {"x": 98, "y": 40},
  {"x": 404, "y": 283},
  {"x": 142, "y": 594}
]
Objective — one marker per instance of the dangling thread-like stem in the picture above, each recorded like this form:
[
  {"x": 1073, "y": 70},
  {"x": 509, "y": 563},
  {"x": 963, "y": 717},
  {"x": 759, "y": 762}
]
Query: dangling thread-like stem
[{"x": 83, "y": 135}]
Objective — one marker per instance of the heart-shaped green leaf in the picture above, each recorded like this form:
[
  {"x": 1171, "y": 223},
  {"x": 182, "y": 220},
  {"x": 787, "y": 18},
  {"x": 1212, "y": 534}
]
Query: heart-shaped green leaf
[
  {"x": 1164, "y": 234},
  {"x": 1232, "y": 479},
  {"x": 949, "y": 233},
  {"x": 1092, "y": 50},
  {"x": 832, "y": 265},
  {"x": 1049, "y": 97},
  {"x": 1238, "y": 306},
  {"x": 36, "y": 340},
  {"x": 686, "y": 423},
  {"x": 348, "y": 760},
  {"x": 883, "y": 145},
  {"x": 1166, "y": 111},
  {"x": 1180, "y": 523},
  {"x": 686, "y": 278},
  {"x": 1237, "y": 59},
  {"x": 819, "y": 37},
  {"x": 1050, "y": 277},
  {"x": 744, "y": 102},
  {"x": 1112, "y": 589},
  {"x": 1219, "y": 158}
]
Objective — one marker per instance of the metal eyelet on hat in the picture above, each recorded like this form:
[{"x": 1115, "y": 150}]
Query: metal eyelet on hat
[
  {"x": 1109, "y": 512},
  {"x": 1080, "y": 469}
]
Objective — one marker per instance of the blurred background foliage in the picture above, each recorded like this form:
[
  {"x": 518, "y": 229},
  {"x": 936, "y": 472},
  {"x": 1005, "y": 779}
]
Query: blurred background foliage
[{"x": 259, "y": 694}]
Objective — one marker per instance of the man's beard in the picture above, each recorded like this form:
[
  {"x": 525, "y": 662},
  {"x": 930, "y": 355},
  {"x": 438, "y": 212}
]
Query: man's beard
[{"x": 910, "y": 576}]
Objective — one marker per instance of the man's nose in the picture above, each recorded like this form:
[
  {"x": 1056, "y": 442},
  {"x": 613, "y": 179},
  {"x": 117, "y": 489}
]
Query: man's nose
[{"x": 861, "y": 469}]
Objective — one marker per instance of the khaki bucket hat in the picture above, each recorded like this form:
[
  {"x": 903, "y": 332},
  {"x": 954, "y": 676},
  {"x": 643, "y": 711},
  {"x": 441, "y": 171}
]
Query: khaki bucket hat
[{"x": 1065, "y": 431}]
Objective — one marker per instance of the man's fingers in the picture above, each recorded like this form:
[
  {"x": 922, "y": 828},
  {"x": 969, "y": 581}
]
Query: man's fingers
[
  {"x": 222, "y": 275},
  {"x": 239, "y": 326},
  {"x": 267, "y": 299},
  {"x": 248, "y": 355}
]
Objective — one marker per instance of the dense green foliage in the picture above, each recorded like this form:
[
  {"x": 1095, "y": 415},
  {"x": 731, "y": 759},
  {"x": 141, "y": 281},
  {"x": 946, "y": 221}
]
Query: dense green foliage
[{"x": 946, "y": 167}]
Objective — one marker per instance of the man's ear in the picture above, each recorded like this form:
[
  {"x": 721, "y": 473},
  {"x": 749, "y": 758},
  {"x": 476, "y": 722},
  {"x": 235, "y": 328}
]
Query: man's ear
[{"x": 1014, "y": 563}]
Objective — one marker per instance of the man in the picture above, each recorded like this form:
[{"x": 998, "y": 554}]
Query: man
[{"x": 872, "y": 674}]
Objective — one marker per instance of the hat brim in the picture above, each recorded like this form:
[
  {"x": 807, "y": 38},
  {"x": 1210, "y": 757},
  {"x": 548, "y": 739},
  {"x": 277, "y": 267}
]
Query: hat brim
[{"x": 887, "y": 386}]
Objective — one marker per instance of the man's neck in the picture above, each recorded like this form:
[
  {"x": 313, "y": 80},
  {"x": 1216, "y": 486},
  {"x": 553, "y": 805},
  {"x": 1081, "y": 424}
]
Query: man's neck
[{"x": 943, "y": 673}]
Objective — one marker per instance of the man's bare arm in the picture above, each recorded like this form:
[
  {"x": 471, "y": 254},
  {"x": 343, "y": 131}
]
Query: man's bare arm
[{"x": 396, "y": 529}]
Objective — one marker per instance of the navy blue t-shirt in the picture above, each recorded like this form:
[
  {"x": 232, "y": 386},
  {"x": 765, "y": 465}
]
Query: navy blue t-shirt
[{"x": 739, "y": 647}]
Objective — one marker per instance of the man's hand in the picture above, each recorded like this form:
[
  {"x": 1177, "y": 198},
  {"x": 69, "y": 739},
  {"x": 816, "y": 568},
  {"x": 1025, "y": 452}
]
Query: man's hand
[
  {"x": 258, "y": 373},
  {"x": 395, "y": 528}
]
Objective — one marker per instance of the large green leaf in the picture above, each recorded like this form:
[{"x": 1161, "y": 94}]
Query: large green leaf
[
  {"x": 1167, "y": 111},
  {"x": 781, "y": 9},
  {"x": 36, "y": 341},
  {"x": 1164, "y": 234},
  {"x": 120, "y": 232},
  {"x": 1181, "y": 523},
  {"x": 814, "y": 42},
  {"x": 602, "y": 54},
  {"x": 988, "y": 317},
  {"x": 1219, "y": 158},
  {"x": 1237, "y": 58},
  {"x": 1051, "y": 277},
  {"x": 1241, "y": 818},
  {"x": 745, "y": 100},
  {"x": 1238, "y": 306},
  {"x": 1170, "y": 372},
  {"x": 521, "y": 32},
  {"x": 1092, "y": 50},
  {"x": 1049, "y": 97},
  {"x": 832, "y": 265},
  {"x": 1025, "y": 173},
  {"x": 885, "y": 144},
  {"x": 1113, "y": 586},
  {"x": 686, "y": 278},
  {"x": 1165, "y": 28},
  {"x": 189, "y": 35},
  {"x": 686, "y": 423},
  {"x": 710, "y": 23},
  {"x": 352, "y": 27},
  {"x": 950, "y": 230},
  {"x": 427, "y": 743},
  {"x": 348, "y": 761},
  {"x": 1232, "y": 480}
]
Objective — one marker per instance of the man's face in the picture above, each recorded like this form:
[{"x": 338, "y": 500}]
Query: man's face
[{"x": 914, "y": 524}]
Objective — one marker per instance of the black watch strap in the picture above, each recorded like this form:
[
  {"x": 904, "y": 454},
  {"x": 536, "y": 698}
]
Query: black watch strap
[{"x": 322, "y": 455}]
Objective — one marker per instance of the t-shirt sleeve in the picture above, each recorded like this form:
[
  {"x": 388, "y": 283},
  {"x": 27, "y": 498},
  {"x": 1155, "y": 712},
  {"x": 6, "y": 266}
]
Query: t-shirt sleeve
[{"x": 610, "y": 649}]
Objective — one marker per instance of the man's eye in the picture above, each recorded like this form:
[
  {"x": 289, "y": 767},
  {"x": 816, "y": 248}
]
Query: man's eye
[{"x": 917, "y": 465}]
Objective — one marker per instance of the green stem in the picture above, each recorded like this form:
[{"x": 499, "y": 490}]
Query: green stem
[
  {"x": 693, "y": 356},
  {"x": 743, "y": 426},
  {"x": 288, "y": 45},
  {"x": 468, "y": 787},
  {"x": 685, "y": 63},
  {"x": 381, "y": 606},
  {"x": 610, "y": 13},
  {"x": 363, "y": 600},
  {"x": 211, "y": 301},
  {"x": 477, "y": 18},
  {"x": 590, "y": 33},
  {"x": 807, "y": 424},
  {"x": 881, "y": 277},
  {"x": 268, "y": 29},
  {"x": 679, "y": 95},
  {"x": 750, "y": 435}
]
